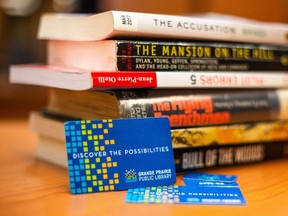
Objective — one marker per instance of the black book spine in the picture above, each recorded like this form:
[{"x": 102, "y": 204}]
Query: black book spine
[
  {"x": 199, "y": 56},
  {"x": 189, "y": 159},
  {"x": 186, "y": 109}
]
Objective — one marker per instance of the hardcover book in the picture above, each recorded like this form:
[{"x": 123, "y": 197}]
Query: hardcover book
[
  {"x": 184, "y": 108},
  {"x": 134, "y": 24},
  {"x": 135, "y": 55}
]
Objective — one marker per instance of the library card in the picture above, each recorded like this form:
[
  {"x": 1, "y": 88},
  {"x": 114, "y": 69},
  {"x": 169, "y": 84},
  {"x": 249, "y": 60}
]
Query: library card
[
  {"x": 208, "y": 177},
  {"x": 178, "y": 194},
  {"x": 109, "y": 155}
]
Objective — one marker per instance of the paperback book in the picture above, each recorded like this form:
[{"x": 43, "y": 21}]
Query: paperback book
[
  {"x": 112, "y": 24},
  {"x": 80, "y": 79},
  {"x": 185, "y": 159},
  {"x": 135, "y": 55},
  {"x": 258, "y": 142},
  {"x": 184, "y": 108},
  {"x": 189, "y": 159},
  {"x": 50, "y": 125}
]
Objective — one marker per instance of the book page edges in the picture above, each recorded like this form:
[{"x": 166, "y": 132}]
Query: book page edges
[
  {"x": 71, "y": 27},
  {"x": 42, "y": 75}
]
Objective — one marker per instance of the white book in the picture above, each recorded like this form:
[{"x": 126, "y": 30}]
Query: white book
[
  {"x": 112, "y": 24},
  {"x": 76, "y": 79},
  {"x": 52, "y": 150},
  {"x": 51, "y": 146}
]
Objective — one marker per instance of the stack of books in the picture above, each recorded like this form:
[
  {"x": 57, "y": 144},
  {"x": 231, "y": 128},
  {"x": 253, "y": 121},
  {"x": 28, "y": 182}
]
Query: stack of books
[{"x": 223, "y": 85}]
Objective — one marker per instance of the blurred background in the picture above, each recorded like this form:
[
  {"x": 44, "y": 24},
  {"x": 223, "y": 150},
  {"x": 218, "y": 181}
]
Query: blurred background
[{"x": 19, "y": 23}]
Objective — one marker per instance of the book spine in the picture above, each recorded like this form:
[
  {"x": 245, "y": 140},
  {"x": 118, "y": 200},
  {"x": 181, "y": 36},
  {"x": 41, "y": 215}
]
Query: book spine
[
  {"x": 187, "y": 79},
  {"x": 188, "y": 27},
  {"x": 190, "y": 109},
  {"x": 197, "y": 56},
  {"x": 243, "y": 133},
  {"x": 189, "y": 159},
  {"x": 230, "y": 134}
]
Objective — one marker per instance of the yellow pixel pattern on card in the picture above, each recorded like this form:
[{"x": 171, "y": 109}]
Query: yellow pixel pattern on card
[{"x": 84, "y": 174}]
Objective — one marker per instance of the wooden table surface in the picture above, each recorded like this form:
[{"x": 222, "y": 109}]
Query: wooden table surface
[{"x": 32, "y": 187}]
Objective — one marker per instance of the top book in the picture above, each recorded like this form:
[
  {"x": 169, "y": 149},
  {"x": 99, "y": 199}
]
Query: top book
[{"x": 121, "y": 24}]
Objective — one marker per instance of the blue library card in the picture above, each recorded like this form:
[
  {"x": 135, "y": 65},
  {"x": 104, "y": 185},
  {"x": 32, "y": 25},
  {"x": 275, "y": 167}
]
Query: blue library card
[
  {"x": 186, "y": 195},
  {"x": 108, "y": 155},
  {"x": 208, "y": 177},
  {"x": 201, "y": 183},
  {"x": 210, "y": 180}
]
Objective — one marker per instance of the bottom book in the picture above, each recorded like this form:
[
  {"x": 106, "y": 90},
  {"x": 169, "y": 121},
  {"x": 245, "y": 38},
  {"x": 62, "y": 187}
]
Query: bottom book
[{"x": 186, "y": 159}]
